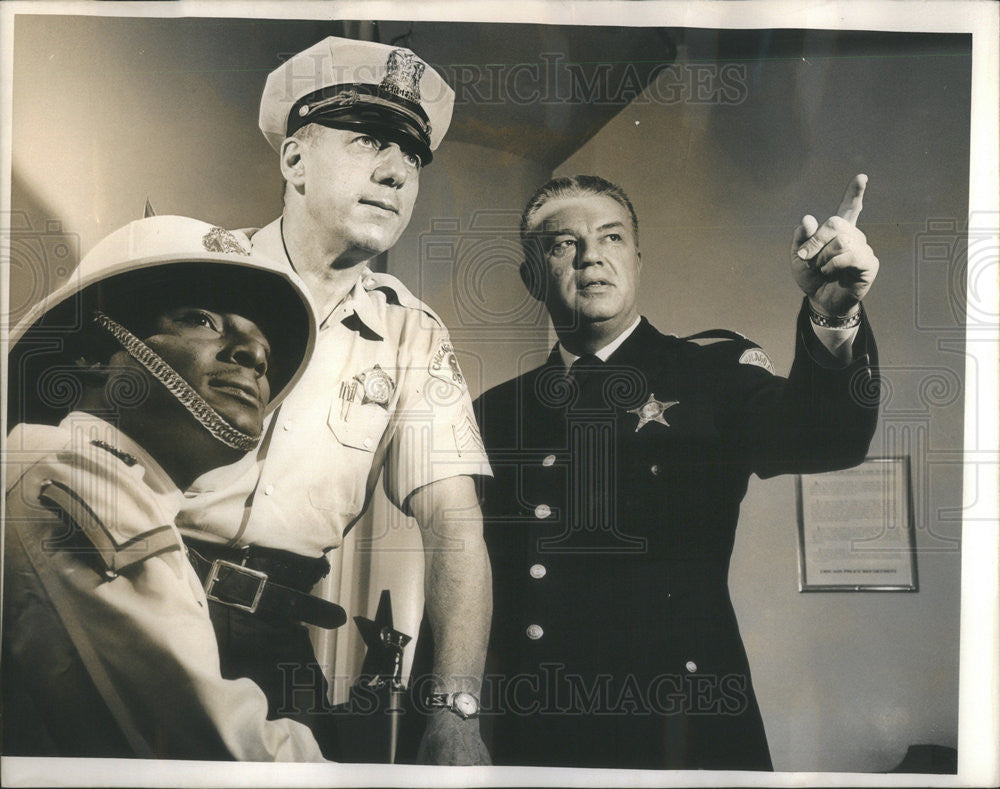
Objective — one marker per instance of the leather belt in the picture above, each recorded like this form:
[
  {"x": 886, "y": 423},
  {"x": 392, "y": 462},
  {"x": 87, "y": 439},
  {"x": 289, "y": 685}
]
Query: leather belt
[{"x": 247, "y": 579}]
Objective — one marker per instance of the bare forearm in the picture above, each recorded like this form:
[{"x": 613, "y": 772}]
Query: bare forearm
[
  {"x": 457, "y": 581},
  {"x": 459, "y": 603}
]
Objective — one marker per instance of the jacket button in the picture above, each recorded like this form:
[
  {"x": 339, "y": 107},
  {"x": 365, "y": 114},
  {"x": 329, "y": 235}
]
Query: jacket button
[
  {"x": 654, "y": 470},
  {"x": 268, "y": 490},
  {"x": 537, "y": 571},
  {"x": 534, "y": 632},
  {"x": 691, "y": 666},
  {"x": 548, "y": 460},
  {"x": 542, "y": 511}
]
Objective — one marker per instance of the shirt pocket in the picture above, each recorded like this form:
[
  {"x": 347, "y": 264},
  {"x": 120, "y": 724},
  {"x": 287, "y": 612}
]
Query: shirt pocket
[{"x": 356, "y": 423}]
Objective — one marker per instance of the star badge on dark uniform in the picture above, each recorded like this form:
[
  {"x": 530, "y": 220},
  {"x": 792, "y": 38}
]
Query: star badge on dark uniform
[{"x": 652, "y": 411}]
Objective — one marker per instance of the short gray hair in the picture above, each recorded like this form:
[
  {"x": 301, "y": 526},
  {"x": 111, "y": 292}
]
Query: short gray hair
[{"x": 573, "y": 186}]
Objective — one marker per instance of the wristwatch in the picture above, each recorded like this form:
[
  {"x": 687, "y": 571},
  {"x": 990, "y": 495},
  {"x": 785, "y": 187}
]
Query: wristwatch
[{"x": 463, "y": 704}]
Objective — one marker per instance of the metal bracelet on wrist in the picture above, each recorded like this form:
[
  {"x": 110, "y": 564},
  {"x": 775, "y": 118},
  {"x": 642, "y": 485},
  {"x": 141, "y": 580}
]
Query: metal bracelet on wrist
[{"x": 835, "y": 321}]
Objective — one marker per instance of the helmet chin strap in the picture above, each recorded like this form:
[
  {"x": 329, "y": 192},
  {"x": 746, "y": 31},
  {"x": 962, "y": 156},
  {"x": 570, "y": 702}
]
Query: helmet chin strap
[{"x": 207, "y": 416}]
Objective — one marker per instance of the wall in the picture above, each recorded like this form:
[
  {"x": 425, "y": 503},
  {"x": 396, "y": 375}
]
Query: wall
[
  {"x": 109, "y": 113},
  {"x": 846, "y": 681}
]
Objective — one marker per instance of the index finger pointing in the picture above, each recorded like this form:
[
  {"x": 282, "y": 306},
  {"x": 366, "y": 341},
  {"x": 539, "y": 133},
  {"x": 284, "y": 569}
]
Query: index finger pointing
[{"x": 850, "y": 206}]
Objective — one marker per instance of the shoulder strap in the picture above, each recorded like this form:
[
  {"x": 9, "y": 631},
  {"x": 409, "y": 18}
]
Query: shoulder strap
[
  {"x": 116, "y": 556},
  {"x": 397, "y": 293},
  {"x": 717, "y": 334}
]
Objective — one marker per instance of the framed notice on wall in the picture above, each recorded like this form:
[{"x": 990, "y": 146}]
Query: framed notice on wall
[{"x": 856, "y": 528}]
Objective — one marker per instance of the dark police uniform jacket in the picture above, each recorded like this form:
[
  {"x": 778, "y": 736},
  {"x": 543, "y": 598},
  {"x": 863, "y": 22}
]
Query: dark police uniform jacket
[{"x": 610, "y": 523}]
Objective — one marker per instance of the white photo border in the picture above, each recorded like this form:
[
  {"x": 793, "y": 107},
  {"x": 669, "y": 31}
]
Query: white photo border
[{"x": 979, "y": 731}]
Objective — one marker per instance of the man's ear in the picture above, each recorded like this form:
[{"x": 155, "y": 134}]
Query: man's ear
[
  {"x": 533, "y": 281},
  {"x": 292, "y": 165}
]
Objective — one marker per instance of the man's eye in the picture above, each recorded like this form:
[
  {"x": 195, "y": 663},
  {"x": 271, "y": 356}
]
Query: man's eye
[
  {"x": 369, "y": 142},
  {"x": 562, "y": 247},
  {"x": 616, "y": 237},
  {"x": 412, "y": 160},
  {"x": 199, "y": 318}
]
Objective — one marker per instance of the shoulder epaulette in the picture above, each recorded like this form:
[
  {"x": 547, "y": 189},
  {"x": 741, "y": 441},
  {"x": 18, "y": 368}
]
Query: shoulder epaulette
[
  {"x": 116, "y": 556},
  {"x": 712, "y": 336},
  {"x": 396, "y": 293},
  {"x": 749, "y": 352}
]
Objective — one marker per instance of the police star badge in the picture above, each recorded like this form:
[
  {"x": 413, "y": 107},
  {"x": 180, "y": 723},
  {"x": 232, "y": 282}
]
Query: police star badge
[
  {"x": 652, "y": 411},
  {"x": 377, "y": 386}
]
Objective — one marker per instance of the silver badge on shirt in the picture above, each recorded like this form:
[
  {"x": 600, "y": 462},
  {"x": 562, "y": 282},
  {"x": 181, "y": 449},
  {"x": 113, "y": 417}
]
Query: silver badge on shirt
[{"x": 377, "y": 386}]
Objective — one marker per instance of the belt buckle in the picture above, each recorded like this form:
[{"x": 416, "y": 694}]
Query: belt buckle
[{"x": 213, "y": 576}]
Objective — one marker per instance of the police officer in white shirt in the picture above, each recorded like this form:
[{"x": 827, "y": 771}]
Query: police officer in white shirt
[{"x": 353, "y": 124}]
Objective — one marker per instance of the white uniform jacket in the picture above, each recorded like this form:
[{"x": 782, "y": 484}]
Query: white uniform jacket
[{"x": 107, "y": 645}]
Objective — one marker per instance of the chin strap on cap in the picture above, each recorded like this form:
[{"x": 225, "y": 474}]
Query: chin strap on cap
[{"x": 207, "y": 416}]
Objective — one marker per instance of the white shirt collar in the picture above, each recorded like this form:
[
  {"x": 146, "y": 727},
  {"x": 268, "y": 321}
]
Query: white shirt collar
[
  {"x": 568, "y": 358},
  {"x": 269, "y": 242},
  {"x": 93, "y": 428}
]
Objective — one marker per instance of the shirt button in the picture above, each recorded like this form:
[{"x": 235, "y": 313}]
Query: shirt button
[
  {"x": 370, "y": 282},
  {"x": 534, "y": 632},
  {"x": 268, "y": 490},
  {"x": 691, "y": 666},
  {"x": 654, "y": 470},
  {"x": 287, "y": 426},
  {"x": 368, "y": 443},
  {"x": 537, "y": 571},
  {"x": 542, "y": 511},
  {"x": 548, "y": 460}
]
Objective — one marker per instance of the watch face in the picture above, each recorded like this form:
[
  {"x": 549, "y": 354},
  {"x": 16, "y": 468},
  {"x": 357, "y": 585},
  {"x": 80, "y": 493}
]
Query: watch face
[{"x": 465, "y": 704}]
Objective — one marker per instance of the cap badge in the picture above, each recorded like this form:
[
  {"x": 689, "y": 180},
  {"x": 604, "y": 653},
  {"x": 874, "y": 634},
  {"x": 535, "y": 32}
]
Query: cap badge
[
  {"x": 652, "y": 411},
  {"x": 378, "y": 386},
  {"x": 402, "y": 75},
  {"x": 219, "y": 239}
]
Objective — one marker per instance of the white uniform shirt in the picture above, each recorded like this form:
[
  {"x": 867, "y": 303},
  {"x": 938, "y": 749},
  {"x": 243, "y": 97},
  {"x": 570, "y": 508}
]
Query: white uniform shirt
[
  {"x": 383, "y": 390},
  {"x": 143, "y": 636}
]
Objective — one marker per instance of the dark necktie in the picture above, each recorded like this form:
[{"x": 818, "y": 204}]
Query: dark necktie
[{"x": 588, "y": 373}]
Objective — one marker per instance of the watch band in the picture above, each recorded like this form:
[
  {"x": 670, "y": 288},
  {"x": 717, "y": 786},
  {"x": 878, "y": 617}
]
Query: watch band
[{"x": 463, "y": 704}]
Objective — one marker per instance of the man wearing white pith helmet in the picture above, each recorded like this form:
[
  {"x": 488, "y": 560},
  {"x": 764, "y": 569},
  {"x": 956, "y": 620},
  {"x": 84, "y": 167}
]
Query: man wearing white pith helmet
[
  {"x": 156, "y": 364},
  {"x": 353, "y": 123}
]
